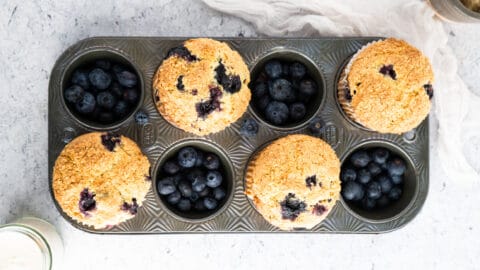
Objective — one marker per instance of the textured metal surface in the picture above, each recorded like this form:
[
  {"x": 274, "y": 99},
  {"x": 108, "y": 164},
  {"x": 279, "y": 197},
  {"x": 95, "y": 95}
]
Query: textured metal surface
[{"x": 327, "y": 55}]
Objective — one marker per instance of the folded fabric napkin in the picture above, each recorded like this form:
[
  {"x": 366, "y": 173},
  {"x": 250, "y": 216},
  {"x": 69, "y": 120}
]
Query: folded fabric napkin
[{"x": 411, "y": 20}]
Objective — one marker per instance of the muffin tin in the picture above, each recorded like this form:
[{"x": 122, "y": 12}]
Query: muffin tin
[{"x": 325, "y": 58}]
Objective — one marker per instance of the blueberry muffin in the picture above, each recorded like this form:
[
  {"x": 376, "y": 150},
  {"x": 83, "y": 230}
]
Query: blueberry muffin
[
  {"x": 294, "y": 181},
  {"x": 387, "y": 87},
  {"x": 202, "y": 86},
  {"x": 100, "y": 179}
]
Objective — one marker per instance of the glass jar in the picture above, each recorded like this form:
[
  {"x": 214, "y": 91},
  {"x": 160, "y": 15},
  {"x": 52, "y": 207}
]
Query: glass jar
[
  {"x": 30, "y": 243},
  {"x": 455, "y": 11}
]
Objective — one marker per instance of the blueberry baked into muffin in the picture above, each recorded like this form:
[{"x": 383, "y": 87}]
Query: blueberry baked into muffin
[
  {"x": 387, "y": 86},
  {"x": 294, "y": 181},
  {"x": 202, "y": 86},
  {"x": 101, "y": 179}
]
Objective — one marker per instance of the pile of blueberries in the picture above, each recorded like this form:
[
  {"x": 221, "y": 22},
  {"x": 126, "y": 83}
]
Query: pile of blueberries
[
  {"x": 193, "y": 180},
  {"x": 283, "y": 91},
  {"x": 102, "y": 91},
  {"x": 372, "y": 178}
]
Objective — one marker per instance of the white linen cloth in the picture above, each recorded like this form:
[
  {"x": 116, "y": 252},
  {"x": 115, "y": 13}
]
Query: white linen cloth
[{"x": 411, "y": 20}]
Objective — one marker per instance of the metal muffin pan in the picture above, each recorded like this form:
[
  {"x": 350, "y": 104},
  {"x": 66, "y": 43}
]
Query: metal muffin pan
[{"x": 324, "y": 57}]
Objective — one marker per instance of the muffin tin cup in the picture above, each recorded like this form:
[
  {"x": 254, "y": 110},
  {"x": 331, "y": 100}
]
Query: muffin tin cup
[{"x": 158, "y": 139}]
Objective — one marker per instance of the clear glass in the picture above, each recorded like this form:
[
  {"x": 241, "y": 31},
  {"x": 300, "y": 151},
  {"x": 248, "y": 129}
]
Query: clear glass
[{"x": 454, "y": 11}]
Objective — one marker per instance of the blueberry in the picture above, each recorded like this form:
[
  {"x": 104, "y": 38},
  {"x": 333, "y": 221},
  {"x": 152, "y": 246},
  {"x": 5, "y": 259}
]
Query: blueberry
[
  {"x": 80, "y": 77},
  {"x": 171, "y": 167},
  {"x": 120, "y": 109},
  {"x": 277, "y": 113},
  {"x": 177, "y": 178},
  {"x": 263, "y": 102},
  {"x": 383, "y": 201},
  {"x": 374, "y": 168},
  {"x": 380, "y": 155},
  {"x": 297, "y": 70},
  {"x": 385, "y": 183},
  {"x": 194, "y": 197},
  {"x": 199, "y": 205},
  {"x": 395, "y": 193},
  {"x": 141, "y": 117},
  {"x": 105, "y": 117},
  {"x": 87, "y": 104},
  {"x": 360, "y": 159},
  {"x": 364, "y": 176},
  {"x": 187, "y": 157},
  {"x": 205, "y": 192},
  {"x": 99, "y": 78},
  {"x": 219, "y": 193},
  {"x": 166, "y": 186},
  {"x": 396, "y": 166},
  {"x": 184, "y": 205},
  {"x": 200, "y": 158},
  {"x": 214, "y": 179},
  {"x": 126, "y": 78},
  {"x": 210, "y": 203},
  {"x": 316, "y": 126},
  {"x": 368, "y": 203},
  {"x": 259, "y": 90},
  {"x": 352, "y": 191},
  {"x": 285, "y": 70},
  {"x": 297, "y": 111},
  {"x": 281, "y": 90},
  {"x": 374, "y": 190},
  {"x": 103, "y": 64},
  {"x": 307, "y": 89},
  {"x": 106, "y": 100},
  {"x": 174, "y": 198},
  {"x": 74, "y": 93},
  {"x": 212, "y": 162},
  {"x": 273, "y": 69},
  {"x": 249, "y": 127},
  {"x": 199, "y": 184},
  {"x": 185, "y": 188},
  {"x": 116, "y": 89},
  {"x": 348, "y": 174},
  {"x": 130, "y": 95},
  {"x": 396, "y": 179}
]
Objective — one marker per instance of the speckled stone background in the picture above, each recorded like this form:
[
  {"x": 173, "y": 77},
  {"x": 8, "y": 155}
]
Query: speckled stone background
[{"x": 445, "y": 235}]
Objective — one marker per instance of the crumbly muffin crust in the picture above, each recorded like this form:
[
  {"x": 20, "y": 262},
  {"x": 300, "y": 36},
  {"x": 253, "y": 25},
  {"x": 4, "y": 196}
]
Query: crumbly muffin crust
[
  {"x": 100, "y": 179},
  {"x": 389, "y": 86},
  {"x": 294, "y": 181},
  {"x": 202, "y": 87}
]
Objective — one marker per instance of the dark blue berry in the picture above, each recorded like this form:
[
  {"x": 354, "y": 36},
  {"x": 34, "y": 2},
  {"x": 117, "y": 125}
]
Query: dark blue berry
[
  {"x": 352, "y": 191},
  {"x": 110, "y": 140},
  {"x": 380, "y": 155},
  {"x": 99, "y": 78},
  {"x": 273, "y": 69},
  {"x": 205, "y": 192},
  {"x": 86, "y": 104},
  {"x": 120, "y": 109},
  {"x": 184, "y": 205},
  {"x": 106, "y": 100},
  {"x": 395, "y": 193},
  {"x": 368, "y": 203},
  {"x": 383, "y": 201},
  {"x": 199, "y": 184},
  {"x": 297, "y": 111},
  {"x": 397, "y": 179},
  {"x": 429, "y": 90},
  {"x": 348, "y": 174},
  {"x": 80, "y": 77},
  {"x": 187, "y": 157},
  {"x": 388, "y": 70},
  {"x": 200, "y": 158},
  {"x": 141, "y": 117},
  {"x": 171, "y": 167},
  {"x": 212, "y": 162},
  {"x": 210, "y": 203},
  {"x": 87, "y": 201},
  {"x": 185, "y": 188},
  {"x": 74, "y": 93},
  {"x": 259, "y": 90},
  {"x": 174, "y": 198},
  {"x": 292, "y": 207},
  {"x": 360, "y": 159},
  {"x": 374, "y": 168},
  {"x": 116, "y": 89},
  {"x": 219, "y": 193},
  {"x": 307, "y": 89},
  {"x": 194, "y": 197},
  {"x": 194, "y": 174},
  {"x": 277, "y": 113},
  {"x": 297, "y": 70},
  {"x": 262, "y": 102},
  {"x": 103, "y": 64},
  {"x": 396, "y": 166},
  {"x": 126, "y": 78},
  {"x": 214, "y": 179},
  {"x": 364, "y": 176},
  {"x": 281, "y": 90},
  {"x": 374, "y": 190},
  {"x": 199, "y": 205},
  {"x": 385, "y": 183},
  {"x": 166, "y": 186},
  {"x": 249, "y": 127},
  {"x": 183, "y": 52},
  {"x": 285, "y": 70},
  {"x": 130, "y": 95},
  {"x": 316, "y": 126}
]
